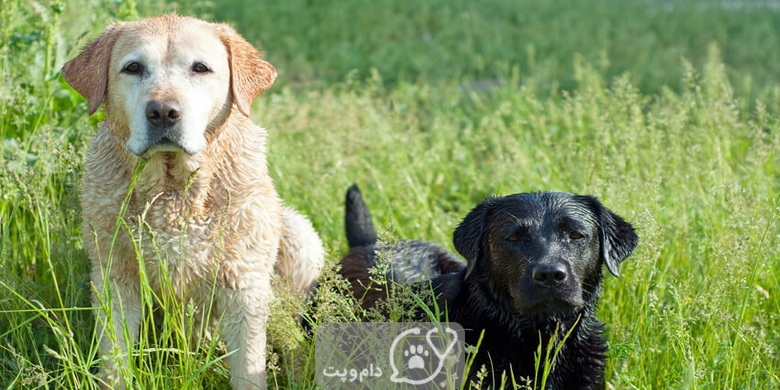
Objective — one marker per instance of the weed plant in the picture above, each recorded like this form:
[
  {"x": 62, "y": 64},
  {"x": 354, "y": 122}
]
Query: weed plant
[{"x": 667, "y": 111}]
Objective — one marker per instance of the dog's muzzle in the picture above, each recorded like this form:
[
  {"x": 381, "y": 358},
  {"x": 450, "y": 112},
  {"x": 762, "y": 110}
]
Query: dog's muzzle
[
  {"x": 163, "y": 113},
  {"x": 550, "y": 287},
  {"x": 163, "y": 119},
  {"x": 549, "y": 275}
]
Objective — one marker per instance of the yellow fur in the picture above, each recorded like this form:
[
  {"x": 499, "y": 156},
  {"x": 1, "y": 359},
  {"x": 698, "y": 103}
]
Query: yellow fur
[{"x": 207, "y": 202}]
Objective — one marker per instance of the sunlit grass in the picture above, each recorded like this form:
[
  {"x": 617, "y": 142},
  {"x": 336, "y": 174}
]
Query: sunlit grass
[{"x": 681, "y": 149}]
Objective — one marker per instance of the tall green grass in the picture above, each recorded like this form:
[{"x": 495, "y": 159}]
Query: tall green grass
[
  {"x": 668, "y": 111},
  {"x": 409, "y": 40}
]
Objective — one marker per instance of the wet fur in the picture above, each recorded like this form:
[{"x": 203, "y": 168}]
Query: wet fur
[
  {"x": 204, "y": 204},
  {"x": 494, "y": 294}
]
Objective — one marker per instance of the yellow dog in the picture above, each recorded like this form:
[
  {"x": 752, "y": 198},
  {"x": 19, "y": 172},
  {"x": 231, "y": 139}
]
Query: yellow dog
[{"x": 177, "y": 93}]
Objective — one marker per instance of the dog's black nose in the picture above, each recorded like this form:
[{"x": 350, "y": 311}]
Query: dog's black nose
[
  {"x": 163, "y": 112},
  {"x": 549, "y": 275}
]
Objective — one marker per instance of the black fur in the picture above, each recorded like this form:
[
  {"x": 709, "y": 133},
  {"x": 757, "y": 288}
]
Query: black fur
[
  {"x": 357, "y": 220},
  {"x": 411, "y": 260},
  {"x": 534, "y": 263}
]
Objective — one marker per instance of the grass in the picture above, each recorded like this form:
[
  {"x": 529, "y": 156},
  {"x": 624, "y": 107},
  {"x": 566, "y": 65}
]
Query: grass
[{"x": 668, "y": 111}]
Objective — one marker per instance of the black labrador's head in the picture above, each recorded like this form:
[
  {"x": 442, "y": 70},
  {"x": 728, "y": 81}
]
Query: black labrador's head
[{"x": 542, "y": 252}]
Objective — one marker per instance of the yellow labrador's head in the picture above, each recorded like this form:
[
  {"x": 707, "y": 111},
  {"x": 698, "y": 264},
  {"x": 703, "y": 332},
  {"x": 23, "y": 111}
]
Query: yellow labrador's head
[{"x": 170, "y": 80}]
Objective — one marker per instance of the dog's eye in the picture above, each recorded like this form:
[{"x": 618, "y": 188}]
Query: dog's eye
[
  {"x": 200, "y": 67},
  {"x": 132, "y": 68},
  {"x": 575, "y": 236},
  {"x": 520, "y": 233}
]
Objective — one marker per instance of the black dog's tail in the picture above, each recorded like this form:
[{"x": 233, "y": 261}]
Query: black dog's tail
[{"x": 357, "y": 220}]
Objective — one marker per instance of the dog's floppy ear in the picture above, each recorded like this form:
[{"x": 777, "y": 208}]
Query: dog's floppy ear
[
  {"x": 617, "y": 237},
  {"x": 87, "y": 73},
  {"x": 470, "y": 234},
  {"x": 250, "y": 75}
]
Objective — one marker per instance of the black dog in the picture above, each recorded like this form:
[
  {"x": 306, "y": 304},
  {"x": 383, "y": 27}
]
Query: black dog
[{"x": 534, "y": 266}]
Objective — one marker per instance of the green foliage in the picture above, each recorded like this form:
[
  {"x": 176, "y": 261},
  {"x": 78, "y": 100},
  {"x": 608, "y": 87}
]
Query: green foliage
[
  {"x": 668, "y": 111},
  {"x": 698, "y": 177},
  {"x": 411, "y": 40}
]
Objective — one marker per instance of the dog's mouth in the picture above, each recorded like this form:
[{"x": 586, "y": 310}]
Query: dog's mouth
[
  {"x": 165, "y": 143},
  {"x": 551, "y": 304},
  {"x": 181, "y": 137}
]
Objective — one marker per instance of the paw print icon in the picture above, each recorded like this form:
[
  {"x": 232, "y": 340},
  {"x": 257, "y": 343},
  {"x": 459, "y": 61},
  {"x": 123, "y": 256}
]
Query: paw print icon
[
  {"x": 418, "y": 365},
  {"x": 415, "y": 356}
]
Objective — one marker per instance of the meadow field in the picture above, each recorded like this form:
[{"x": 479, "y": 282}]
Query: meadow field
[{"x": 667, "y": 110}]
